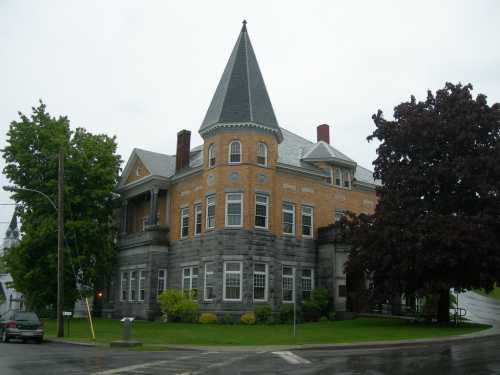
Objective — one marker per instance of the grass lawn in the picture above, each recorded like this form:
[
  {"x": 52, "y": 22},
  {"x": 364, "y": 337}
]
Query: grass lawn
[
  {"x": 495, "y": 293},
  {"x": 347, "y": 331}
]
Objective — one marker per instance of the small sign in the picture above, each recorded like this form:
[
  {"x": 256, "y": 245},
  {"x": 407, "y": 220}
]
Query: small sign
[
  {"x": 67, "y": 313},
  {"x": 127, "y": 319}
]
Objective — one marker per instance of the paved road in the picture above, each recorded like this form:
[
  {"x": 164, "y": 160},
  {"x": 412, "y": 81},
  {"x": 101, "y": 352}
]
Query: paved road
[{"x": 479, "y": 308}]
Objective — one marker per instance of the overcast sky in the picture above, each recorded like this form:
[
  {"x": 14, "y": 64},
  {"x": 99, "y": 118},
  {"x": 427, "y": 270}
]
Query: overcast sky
[{"x": 143, "y": 70}]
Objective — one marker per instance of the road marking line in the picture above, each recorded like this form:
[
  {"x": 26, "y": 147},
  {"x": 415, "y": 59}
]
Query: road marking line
[
  {"x": 292, "y": 358},
  {"x": 141, "y": 366}
]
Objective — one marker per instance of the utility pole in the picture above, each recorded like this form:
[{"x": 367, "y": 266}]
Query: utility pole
[{"x": 60, "y": 246}]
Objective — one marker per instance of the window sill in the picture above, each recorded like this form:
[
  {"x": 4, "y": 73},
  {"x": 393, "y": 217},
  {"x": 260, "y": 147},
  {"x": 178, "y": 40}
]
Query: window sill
[
  {"x": 232, "y": 300},
  {"x": 262, "y": 228},
  {"x": 289, "y": 234},
  {"x": 260, "y": 301}
]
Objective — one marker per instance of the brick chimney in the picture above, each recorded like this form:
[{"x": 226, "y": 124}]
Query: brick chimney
[
  {"x": 183, "y": 148},
  {"x": 323, "y": 133}
]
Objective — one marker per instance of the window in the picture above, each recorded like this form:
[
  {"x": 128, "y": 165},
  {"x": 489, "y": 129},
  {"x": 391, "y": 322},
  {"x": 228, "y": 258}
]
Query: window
[
  {"x": 144, "y": 223},
  {"x": 184, "y": 222},
  {"x": 234, "y": 209},
  {"x": 261, "y": 204},
  {"x": 346, "y": 178},
  {"x": 190, "y": 280},
  {"x": 232, "y": 281},
  {"x": 288, "y": 218},
  {"x": 211, "y": 156},
  {"x": 338, "y": 177},
  {"x": 142, "y": 283},
  {"x": 339, "y": 214},
  {"x": 329, "y": 179},
  {"x": 342, "y": 291},
  {"x": 288, "y": 284},
  {"x": 235, "y": 152},
  {"x": 307, "y": 283},
  {"x": 162, "y": 281},
  {"x": 261, "y": 154},
  {"x": 133, "y": 286},
  {"x": 307, "y": 221},
  {"x": 124, "y": 286},
  {"x": 210, "y": 212},
  {"x": 197, "y": 219},
  {"x": 260, "y": 282},
  {"x": 209, "y": 281}
]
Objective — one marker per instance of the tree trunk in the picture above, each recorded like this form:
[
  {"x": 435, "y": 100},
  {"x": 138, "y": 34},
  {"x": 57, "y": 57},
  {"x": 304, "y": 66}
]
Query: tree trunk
[{"x": 443, "y": 315}]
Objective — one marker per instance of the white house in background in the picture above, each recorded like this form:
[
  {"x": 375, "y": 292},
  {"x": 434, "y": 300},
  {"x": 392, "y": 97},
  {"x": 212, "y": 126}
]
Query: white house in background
[{"x": 10, "y": 299}]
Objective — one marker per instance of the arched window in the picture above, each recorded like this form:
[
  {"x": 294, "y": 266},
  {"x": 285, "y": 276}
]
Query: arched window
[
  {"x": 211, "y": 156},
  {"x": 235, "y": 152},
  {"x": 262, "y": 154}
]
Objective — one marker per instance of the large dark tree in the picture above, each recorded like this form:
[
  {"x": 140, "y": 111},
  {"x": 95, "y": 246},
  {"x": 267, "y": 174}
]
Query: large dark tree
[
  {"x": 437, "y": 223},
  {"x": 91, "y": 173}
]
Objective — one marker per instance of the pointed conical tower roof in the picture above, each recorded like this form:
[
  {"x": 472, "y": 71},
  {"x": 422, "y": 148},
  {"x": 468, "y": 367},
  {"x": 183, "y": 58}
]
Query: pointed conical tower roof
[
  {"x": 12, "y": 231},
  {"x": 241, "y": 98}
]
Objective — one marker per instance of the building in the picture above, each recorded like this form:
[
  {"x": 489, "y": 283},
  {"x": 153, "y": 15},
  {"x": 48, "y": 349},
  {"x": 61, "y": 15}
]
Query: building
[
  {"x": 10, "y": 299},
  {"x": 235, "y": 219}
]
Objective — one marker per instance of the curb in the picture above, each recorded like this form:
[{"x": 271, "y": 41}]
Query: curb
[{"x": 75, "y": 343}]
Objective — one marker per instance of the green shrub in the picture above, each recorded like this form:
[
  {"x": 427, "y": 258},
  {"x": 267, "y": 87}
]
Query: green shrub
[
  {"x": 332, "y": 315},
  {"x": 322, "y": 300},
  {"x": 324, "y": 319},
  {"x": 311, "y": 311},
  {"x": 286, "y": 313},
  {"x": 263, "y": 313},
  {"x": 178, "y": 307},
  {"x": 207, "y": 318},
  {"x": 227, "y": 319},
  {"x": 248, "y": 318}
]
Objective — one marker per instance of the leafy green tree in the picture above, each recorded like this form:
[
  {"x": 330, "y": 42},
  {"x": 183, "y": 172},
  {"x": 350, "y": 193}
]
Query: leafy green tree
[
  {"x": 91, "y": 173},
  {"x": 437, "y": 223}
]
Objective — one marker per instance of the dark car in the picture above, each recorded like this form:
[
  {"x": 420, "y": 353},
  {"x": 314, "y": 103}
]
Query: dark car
[{"x": 21, "y": 325}]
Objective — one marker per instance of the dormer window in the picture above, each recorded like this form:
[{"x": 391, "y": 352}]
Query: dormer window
[
  {"x": 342, "y": 177},
  {"x": 138, "y": 171},
  {"x": 211, "y": 156},
  {"x": 338, "y": 177},
  {"x": 346, "y": 178},
  {"x": 235, "y": 152},
  {"x": 262, "y": 154}
]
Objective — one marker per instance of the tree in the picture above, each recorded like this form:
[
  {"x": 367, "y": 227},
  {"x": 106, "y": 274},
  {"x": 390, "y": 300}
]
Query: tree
[
  {"x": 437, "y": 223},
  {"x": 91, "y": 173}
]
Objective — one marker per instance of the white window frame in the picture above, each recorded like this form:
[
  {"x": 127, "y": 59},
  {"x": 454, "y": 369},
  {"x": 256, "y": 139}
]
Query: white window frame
[
  {"x": 144, "y": 223},
  {"x": 287, "y": 210},
  {"x": 266, "y": 226},
  {"x": 283, "y": 277},
  {"x": 233, "y": 201},
  {"x": 124, "y": 278},
  {"x": 184, "y": 214},
  {"x": 261, "y": 146},
  {"x": 266, "y": 282},
  {"x": 311, "y": 215},
  {"x": 198, "y": 214},
  {"x": 142, "y": 284},
  {"x": 210, "y": 203},
  {"x": 206, "y": 273},
  {"x": 131, "y": 287},
  {"x": 162, "y": 281},
  {"x": 240, "y": 273},
  {"x": 302, "y": 278},
  {"x": 331, "y": 177},
  {"x": 346, "y": 173},
  {"x": 339, "y": 171},
  {"x": 211, "y": 156},
  {"x": 230, "y": 152},
  {"x": 190, "y": 277}
]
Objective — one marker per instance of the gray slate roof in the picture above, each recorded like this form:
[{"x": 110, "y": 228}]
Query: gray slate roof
[
  {"x": 241, "y": 96},
  {"x": 325, "y": 152},
  {"x": 157, "y": 164}
]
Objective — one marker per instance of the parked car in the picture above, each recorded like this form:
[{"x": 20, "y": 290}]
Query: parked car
[{"x": 21, "y": 325}]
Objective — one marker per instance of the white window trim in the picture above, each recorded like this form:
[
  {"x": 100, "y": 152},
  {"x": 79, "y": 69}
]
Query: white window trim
[
  {"x": 213, "y": 203},
  {"x": 211, "y": 150},
  {"x": 205, "y": 282},
  {"x": 267, "y": 210},
  {"x": 293, "y": 216},
  {"x": 130, "y": 286},
  {"x": 123, "y": 273},
  {"x": 266, "y": 286},
  {"x": 191, "y": 277},
  {"x": 162, "y": 279},
  {"x": 241, "y": 211},
  {"x": 240, "y": 272},
  {"x": 142, "y": 278},
  {"x": 307, "y": 278},
  {"x": 302, "y": 221},
  {"x": 229, "y": 153},
  {"x": 293, "y": 284},
  {"x": 265, "y": 154},
  {"x": 197, "y": 210},
  {"x": 335, "y": 177},
  {"x": 183, "y": 215}
]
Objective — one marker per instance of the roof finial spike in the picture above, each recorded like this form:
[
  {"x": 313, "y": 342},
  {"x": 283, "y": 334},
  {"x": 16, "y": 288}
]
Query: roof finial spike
[{"x": 244, "y": 28}]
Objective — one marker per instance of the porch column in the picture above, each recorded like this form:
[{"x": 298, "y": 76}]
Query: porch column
[
  {"x": 124, "y": 213},
  {"x": 153, "y": 206}
]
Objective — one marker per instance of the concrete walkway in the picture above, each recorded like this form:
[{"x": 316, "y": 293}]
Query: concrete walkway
[{"x": 480, "y": 309}]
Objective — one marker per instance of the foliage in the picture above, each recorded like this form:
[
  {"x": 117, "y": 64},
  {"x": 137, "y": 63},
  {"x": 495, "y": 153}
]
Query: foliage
[
  {"x": 177, "y": 306},
  {"x": 286, "y": 313},
  {"x": 332, "y": 315},
  {"x": 321, "y": 297},
  {"x": 227, "y": 319},
  {"x": 311, "y": 310},
  {"x": 207, "y": 318},
  {"x": 263, "y": 313},
  {"x": 436, "y": 225},
  {"x": 91, "y": 173},
  {"x": 248, "y": 318}
]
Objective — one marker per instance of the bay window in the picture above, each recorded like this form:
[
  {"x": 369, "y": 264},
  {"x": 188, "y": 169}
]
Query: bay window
[
  {"x": 184, "y": 222},
  {"x": 197, "y": 219},
  {"x": 234, "y": 210},
  {"x": 307, "y": 221},
  {"x": 209, "y": 293},
  {"x": 261, "y": 209},
  {"x": 162, "y": 281},
  {"x": 235, "y": 152},
  {"x": 260, "y": 280},
  {"x": 307, "y": 283},
  {"x": 288, "y": 284},
  {"x": 288, "y": 218},
  {"x": 210, "y": 224},
  {"x": 232, "y": 281},
  {"x": 190, "y": 281},
  {"x": 262, "y": 154}
]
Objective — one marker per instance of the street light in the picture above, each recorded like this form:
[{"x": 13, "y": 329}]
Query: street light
[{"x": 60, "y": 237}]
